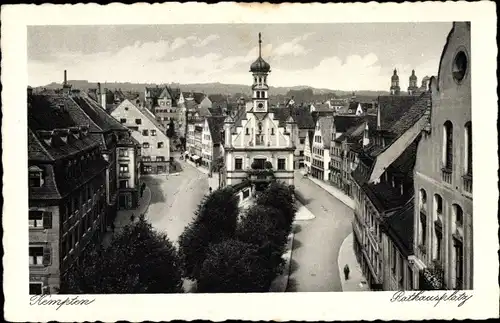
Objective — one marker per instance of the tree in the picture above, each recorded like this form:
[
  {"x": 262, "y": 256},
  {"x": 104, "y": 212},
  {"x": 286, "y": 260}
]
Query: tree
[
  {"x": 171, "y": 129},
  {"x": 215, "y": 220},
  {"x": 279, "y": 196},
  {"x": 233, "y": 266},
  {"x": 264, "y": 227},
  {"x": 139, "y": 260}
]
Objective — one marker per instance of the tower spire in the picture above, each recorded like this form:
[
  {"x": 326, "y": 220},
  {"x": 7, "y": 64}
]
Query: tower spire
[{"x": 260, "y": 45}]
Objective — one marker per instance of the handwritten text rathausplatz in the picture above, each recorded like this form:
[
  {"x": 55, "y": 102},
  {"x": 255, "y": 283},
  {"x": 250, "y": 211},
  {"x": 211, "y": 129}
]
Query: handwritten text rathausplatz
[{"x": 423, "y": 296}]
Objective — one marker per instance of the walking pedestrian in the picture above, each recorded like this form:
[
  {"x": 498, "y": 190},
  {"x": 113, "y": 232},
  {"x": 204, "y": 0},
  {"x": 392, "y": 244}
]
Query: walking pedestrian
[
  {"x": 132, "y": 218},
  {"x": 346, "y": 272},
  {"x": 210, "y": 190}
]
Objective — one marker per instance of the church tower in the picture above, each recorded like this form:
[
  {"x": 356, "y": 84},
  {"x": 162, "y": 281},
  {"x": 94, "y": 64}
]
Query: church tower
[
  {"x": 260, "y": 69},
  {"x": 395, "y": 89},
  {"x": 412, "y": 88}
]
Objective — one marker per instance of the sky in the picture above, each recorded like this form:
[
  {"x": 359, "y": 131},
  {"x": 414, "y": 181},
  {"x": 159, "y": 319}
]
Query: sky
[{"x": 332, "y": 56}]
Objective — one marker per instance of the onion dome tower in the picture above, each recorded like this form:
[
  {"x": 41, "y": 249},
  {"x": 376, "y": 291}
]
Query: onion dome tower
[
  {"x": 260, "y": 70},
  {"x": 413, "y": 88},
  {"x": 395, "y": 89}
]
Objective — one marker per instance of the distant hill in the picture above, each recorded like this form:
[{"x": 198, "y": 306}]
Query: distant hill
[{"x": 212, "y": 88}]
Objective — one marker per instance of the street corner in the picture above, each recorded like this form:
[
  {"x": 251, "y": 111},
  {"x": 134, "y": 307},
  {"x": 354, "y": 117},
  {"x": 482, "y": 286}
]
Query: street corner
[{"x": 303, "y": 213}]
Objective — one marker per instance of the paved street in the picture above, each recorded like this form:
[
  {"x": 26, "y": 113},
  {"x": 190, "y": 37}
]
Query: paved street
[
  {"x": 316, "y": 245},
  {"x": 174, "y": 199}
]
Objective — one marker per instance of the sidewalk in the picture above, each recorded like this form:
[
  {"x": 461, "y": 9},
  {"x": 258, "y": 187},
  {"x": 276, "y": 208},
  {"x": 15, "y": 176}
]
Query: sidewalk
[
  {"x": 335, "y": 192},
  {"x": 280, "y": 283},
  {"x": 123, "y": 216},
  {"x": 356, "y": 281}
]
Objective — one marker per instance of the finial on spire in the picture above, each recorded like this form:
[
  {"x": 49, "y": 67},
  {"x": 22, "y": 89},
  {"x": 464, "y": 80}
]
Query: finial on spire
[{"x": 260, "y": 44}]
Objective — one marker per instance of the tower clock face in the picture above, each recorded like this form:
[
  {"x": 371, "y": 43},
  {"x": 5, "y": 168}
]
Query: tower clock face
[{"x": 260, "y": 106}]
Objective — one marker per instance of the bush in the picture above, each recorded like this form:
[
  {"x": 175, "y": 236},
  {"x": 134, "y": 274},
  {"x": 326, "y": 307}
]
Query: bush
[
  {"x": 233, "y": 266},
  {"x": 139, "y": 260}
]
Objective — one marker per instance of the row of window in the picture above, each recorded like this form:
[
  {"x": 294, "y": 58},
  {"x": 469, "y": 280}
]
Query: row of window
[
  {"x": 437, "y": 226},
  {"x": 40, "y": 219},
  {"x": 318, "y": 151},
  {"x": 137, "y": 121},
  {"x": 318, "y": 163},
  {"x": 260, "y": 94},
  {"x": 146, "y": 132},
  {"x": 158, "y": 144},
  {"x": 153, "y": 158},
  {"x": 260, "y": 163},
  {"x": 260, "y": 79}
]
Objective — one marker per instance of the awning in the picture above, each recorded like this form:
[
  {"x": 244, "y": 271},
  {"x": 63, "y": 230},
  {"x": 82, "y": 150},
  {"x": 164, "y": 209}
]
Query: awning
[{"x": 195, "y": 157}]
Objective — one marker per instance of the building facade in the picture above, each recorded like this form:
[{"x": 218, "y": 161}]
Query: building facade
[
  {"x": 155, "y": 145},
  {"x": 254, "y": 142},
  {"x": 320, "y": 150},
  {"x": 212, "y": 141},
  {"x": 67, "y": 190},
  {"x": 443, "y": 220}
]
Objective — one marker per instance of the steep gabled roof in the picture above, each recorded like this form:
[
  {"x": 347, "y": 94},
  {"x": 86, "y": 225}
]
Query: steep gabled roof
[
  {"x": 216, "y": 125},
  {"x": 343, "y": 123},
  {"x": 154, "y": 92},
  {"x": 98, "y": 115},
  {"x": 393, "y": 107}
]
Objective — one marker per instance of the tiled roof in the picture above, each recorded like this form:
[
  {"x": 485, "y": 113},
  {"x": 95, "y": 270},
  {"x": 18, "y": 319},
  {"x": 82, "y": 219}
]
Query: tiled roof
[
  {"x": 322, "y": 107},
  {"x": 217, "y": 111},
  {"x": 105, "y": 121},
  {"x": 44, "y": 113},
  {"x": 416, "y": 111},
  {"x": 303, "y": 118},
  {"x": 383, "y": 195},
  {"x": 191, "y": 104},
  {"x": 399, "y": 227},
  {"x": 216, "y": 125},
  {"x": 393, "y": 107},
  {"x": 154, "y": 92},
  {"x": 36, "y": 150},
  {"x": 198, "y": 97},
  {"x": 165, "y": 94},
  {"x": 343, "y": 123},
  {"x": 326, "y": 127},
  {"x": 49, "y": 190},
  {"x": 217, "y": 98}
]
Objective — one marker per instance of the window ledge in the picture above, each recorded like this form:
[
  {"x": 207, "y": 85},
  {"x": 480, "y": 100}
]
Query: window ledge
[{"x": 446, "y": 170}]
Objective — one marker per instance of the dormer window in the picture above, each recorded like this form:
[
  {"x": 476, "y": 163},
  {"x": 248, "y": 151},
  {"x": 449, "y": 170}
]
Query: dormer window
[{"x": 35, "y": 176}]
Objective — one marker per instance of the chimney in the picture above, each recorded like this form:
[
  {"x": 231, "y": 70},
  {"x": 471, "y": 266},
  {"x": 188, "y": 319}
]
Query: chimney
[
  {"x": 378, "y": 117},
  {"x": 65, "y": 77},
  {"x": 103, "y": 98},
  {"x": 366, "y": 139},
  {"x": 99, "y": 93}
]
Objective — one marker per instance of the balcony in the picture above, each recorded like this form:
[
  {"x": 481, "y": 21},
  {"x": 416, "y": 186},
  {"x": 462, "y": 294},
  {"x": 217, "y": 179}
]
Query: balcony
[
  {"x": 432, "y": 278},
  {"x": 260, "y": 175},
  {"x": 467, "y": 183},
  {"x": 124, "y": 175},
  {"x": 446, "y": 175}
]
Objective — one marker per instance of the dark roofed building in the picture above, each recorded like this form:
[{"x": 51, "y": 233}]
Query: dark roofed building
[
  {"x": 393, "y": 107},
  {"x": 67, "y": 189},
  {"x": 399, "y": 227}
]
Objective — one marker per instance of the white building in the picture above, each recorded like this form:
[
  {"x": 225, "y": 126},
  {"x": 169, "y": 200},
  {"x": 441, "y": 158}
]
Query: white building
[
  {"x": 254, "y": 140},
  {"x": 320, "y": 151},
  {"x": 155, "y": 145}
]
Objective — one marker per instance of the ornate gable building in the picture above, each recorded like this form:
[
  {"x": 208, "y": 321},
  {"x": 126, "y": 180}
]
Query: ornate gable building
[{"x": 255, "y": 140}]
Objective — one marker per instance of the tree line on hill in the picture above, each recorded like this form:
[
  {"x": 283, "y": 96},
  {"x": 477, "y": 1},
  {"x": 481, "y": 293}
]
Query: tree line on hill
[{"x": 223, "y": 249}]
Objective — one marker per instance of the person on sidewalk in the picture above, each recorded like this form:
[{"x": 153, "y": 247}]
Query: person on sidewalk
[
  {"x": 132, "y": 218},
  {"x": 346, "y": 272}
]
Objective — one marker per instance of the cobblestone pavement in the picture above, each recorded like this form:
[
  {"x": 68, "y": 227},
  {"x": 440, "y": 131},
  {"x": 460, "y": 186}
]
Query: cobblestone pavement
[
  {"x": 174, "y": 199},
  {"x": 314, "y": 265}
]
